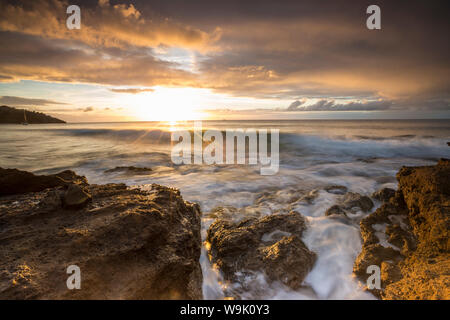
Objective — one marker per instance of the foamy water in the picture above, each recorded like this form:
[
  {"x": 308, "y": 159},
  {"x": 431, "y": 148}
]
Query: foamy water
[{"x": 363, "y": 156}]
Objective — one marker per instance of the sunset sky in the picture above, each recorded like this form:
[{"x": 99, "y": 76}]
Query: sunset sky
[{"x": 175, "y": 60}]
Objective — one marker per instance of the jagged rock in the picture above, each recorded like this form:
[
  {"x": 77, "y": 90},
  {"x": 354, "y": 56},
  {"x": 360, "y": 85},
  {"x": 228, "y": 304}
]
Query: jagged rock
[
  {"x": 384, "y": 194},
  {"x": 400, "y": 238},
  {"x": 350, "y": 202},
  {"x": 128, "y": 244},
  {"x": 417, "y": 220},
  {"x": 271, "y": 244},
  {"x": 426, "y": 192},
  {"x": 355, "y": 200},
  {"x": 130, "y": 170},
  {"x": 335, "y": 210},
  {"x": 373, "y": 254},
  {"x": 75, "y": 197},
  {"x": 232, "y": 213},
  {"x": 13, "y": 181},
  {"x": 288, "y": 260}
]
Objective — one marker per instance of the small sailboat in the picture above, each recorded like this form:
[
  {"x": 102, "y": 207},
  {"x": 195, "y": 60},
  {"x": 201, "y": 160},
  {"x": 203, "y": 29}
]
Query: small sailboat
[{"x": 25, "y": 122}]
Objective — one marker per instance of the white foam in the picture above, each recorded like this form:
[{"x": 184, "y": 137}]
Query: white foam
[{"x": 337, "y": 246}]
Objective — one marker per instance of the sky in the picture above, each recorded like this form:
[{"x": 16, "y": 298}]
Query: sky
[{"x": 180, "y": 60}]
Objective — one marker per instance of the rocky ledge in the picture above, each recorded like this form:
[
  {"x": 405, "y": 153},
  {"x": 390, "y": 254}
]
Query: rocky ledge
[
  {"x": 408, "y": 236},
  {"x": 271, "y": 245},
  {"x": 128, "y": 243}
]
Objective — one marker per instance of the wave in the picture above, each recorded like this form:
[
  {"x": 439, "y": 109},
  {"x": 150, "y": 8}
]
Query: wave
[
  {"x": 404, "y": 146},
  {"x": 126, "y": 135},
  {"x": 317, "y": 147}
]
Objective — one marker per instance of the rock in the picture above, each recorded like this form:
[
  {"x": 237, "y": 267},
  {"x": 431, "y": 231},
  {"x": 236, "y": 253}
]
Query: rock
[
  {"x": 13, "y": 181},
  {"x": 271, "y": 244},
  {"x": 336, "y": 189},
  {"x": 288, "y": 260},
  {"x": 355, "y": 200},
  {"x": 384, "y": 194},
  {"x": 417, "y": 219},
  {"x": 70, "y": 177},
  {"x": 309, "y": 197},
  {"x": 373, "y": 254},
  {"x": 350, "y": 202},
  {"x": 75, "y": 197},
  {"x": 335, "y": 210},
  {"x": 130, "y": 170},
  {"x": 400, "y": 238},
  {"x": 390, "y": 272},
  {"x": 426, "y": 193},
  {"x": 128, "y": 244},
  {"x": 52, "y": 199}
]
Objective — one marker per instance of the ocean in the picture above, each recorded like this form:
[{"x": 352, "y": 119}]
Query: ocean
[{"x": 362, "y": 155}]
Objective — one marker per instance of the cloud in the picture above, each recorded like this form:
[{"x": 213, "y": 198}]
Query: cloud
[
  {"x": 87, "y": 109},
  {"x": 20, "y": 101},
  {"x": 53, "y": 60},
  {"x": 331, "y": 105},
  {"x": 131, "y": 90},
  {"x": 295, "y": 51},
  {"x": 104, "y": 24},
  {"x": 294, "y": 105}
]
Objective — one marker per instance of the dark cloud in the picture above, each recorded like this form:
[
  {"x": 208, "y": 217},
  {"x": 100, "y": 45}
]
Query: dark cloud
[
  {"x": 35, "y": 58},
  {"x": 20, "y": 101},
  {"x": 294, "y": 105}
]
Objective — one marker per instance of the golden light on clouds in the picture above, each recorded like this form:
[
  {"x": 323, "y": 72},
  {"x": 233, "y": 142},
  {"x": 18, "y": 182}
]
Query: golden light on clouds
[{"x": 198, "y": 56}]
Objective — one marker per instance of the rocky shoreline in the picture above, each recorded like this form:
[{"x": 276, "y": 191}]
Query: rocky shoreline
[
  {"x": 136, "y": 244},
  {"x": 408, "y": 236},
  {"x": 128, "y": 243}
]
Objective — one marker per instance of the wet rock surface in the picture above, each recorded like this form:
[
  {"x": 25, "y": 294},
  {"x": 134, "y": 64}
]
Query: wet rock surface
[
  {"x": 336, "y": 189},
  {"x": 353, "y": 200},
  {"x": 336, "y": 209},
  {"x": 408, "y": 237},
  {"x": 13, "y": 181},
  {"x": 384, "y": 194},
  {"x": 128, "y": 243},
  {"x": 349, "y": 203},
  {"x": 271, "y": 244}
]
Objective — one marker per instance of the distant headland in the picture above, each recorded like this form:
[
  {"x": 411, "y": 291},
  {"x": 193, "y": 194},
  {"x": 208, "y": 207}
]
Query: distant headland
[{"x": 18, "y": 116}]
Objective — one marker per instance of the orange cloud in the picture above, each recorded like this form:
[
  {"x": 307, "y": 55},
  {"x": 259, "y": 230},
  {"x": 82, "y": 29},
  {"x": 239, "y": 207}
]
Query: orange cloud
[{"x": 103, "y": 25}]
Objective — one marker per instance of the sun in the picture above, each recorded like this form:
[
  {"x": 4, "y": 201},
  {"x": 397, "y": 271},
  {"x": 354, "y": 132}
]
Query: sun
[{"x": 167, "y": 104}]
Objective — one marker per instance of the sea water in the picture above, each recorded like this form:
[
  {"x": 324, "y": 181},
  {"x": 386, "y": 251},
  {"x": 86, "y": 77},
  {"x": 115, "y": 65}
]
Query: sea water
[{"x": 363, "y": 156}]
